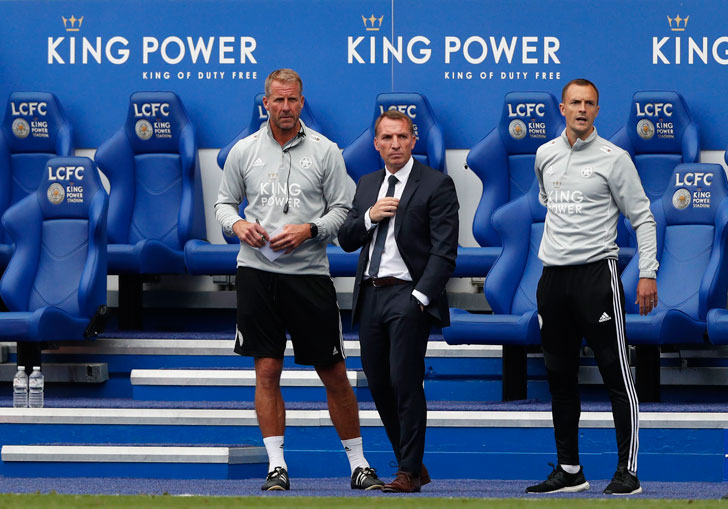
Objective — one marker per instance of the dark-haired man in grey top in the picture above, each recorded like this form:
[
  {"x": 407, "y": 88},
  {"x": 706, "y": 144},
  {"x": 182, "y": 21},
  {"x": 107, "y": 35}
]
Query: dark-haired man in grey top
[{"x": 585, "y": 182}]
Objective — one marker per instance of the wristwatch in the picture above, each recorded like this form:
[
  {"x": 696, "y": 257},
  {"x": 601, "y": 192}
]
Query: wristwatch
[{"x": 314, "y": 230}]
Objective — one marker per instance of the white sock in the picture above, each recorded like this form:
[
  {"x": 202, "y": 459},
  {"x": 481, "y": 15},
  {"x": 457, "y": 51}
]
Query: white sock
[
  {"x": 355, "y": 452},
  {"x": 570, "y": 469},
  {"x": 274, "y": 447}
]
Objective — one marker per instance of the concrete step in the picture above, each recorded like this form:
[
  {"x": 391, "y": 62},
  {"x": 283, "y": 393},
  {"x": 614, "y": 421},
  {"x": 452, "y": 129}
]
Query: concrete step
[
  {"x": 164, "y": 462},
  {"x": 460, "y": 444},
  {"x": 124, "y": 354},
  {"x": 304, "y": 385},
  {"x": 297, "y": 385}
]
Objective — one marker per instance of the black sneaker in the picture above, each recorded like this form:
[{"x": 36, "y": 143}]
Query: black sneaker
[
  {"x": 623, "y": 483},
  {"x": 560, "y": 481},
  {"x": 365, "y": 478},
  {"x": 277, "y": 480}
]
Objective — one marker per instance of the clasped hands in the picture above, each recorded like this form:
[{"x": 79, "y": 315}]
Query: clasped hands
[{"x": 255, "y": 235}]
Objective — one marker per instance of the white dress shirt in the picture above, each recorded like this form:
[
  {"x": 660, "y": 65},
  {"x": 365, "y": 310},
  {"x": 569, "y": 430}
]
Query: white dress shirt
[{"x": 392, "y": 264}]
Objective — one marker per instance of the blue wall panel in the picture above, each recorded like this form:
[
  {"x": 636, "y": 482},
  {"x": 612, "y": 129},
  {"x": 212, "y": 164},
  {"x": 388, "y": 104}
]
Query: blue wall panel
[{"x": 348, "y": 51}]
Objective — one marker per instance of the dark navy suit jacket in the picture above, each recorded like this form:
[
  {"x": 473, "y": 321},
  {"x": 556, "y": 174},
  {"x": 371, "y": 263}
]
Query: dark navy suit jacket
[{"x": 425, "y": 228}]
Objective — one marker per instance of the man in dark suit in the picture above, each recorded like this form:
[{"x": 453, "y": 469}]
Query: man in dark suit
[{"x": 405, "y": 219}]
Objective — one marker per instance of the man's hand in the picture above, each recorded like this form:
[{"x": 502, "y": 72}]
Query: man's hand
[
  {"x": 291, "y": 237},
  {"x": 385, "y": 207},
  {"x": 252, "y": 234},
  {"x": 646, "y": 295}
]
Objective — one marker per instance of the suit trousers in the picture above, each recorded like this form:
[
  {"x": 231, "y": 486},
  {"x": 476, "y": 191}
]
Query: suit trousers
[{"x": 393, "y": 333}]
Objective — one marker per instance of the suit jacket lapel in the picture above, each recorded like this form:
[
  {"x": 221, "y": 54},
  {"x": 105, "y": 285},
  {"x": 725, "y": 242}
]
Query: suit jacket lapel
[
  {"x": 373, "y": 190},
  {"x": 412, "y": 182},
  {"x": 370, "y": 199}
]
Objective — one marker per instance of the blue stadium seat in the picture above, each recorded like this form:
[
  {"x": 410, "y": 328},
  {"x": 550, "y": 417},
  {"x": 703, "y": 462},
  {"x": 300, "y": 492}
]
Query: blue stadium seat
[
  {"x": 361, "y": 157},
  {"x": 510, "y": 289},
  {"x": 692, "y": 248},
  {"x": 155, "y": 201},
  {"x": 718, "y": 317},
  {"x": 55, "y": 284},
  {"x": 503, "y": 160},
  {"x": 718, "y": 326},
  {"x": 202, "y": 257},
  {"x": 659, "y": 135},
  {"x": 34, "y": 129}
]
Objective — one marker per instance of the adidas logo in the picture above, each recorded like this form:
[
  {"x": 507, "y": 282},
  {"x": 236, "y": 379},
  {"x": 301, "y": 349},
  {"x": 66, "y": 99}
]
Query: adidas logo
[
  {"x": 605, "y": 317},
  {"x": 258, "y": 162},
  {"x": 335, "y": 351}
]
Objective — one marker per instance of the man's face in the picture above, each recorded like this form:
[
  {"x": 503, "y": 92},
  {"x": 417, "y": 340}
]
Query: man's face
[
  {"x": 395, "y": 142},
  {"x": 579, "y": 109},
  {"x": 284, "y": 104}
]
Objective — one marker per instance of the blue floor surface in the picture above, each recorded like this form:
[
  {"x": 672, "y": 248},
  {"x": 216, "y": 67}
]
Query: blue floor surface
[
  {"x": 339, "y": 487},
  {"x": 53, "y": 401}
]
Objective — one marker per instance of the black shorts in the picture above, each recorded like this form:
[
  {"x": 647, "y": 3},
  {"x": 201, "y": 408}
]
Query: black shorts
[{"x": 269, "y": 304}]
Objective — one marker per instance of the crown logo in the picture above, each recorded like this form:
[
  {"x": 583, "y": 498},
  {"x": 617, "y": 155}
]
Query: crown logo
[
  {"x": 677, "y": 26},
  {"x": 70, "y": 23},
  {"x": 372, "y": 24}
]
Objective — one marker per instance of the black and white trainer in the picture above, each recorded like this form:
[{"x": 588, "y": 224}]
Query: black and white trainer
[
  {"x": 277, "y": 480},
  {"x": 623, "y": 483},
  {"x": 365, "y": 478},
  {"x": 560, "y": 481}
]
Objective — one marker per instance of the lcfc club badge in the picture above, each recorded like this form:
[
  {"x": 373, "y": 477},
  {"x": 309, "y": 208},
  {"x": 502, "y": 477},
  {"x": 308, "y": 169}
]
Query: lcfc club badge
[
  {"x": 517, "y": 129},
  {"x": 21, "y": 129},
  {"x": 645, "y": 129},
  {"x": 143, "y": 129},
  {"x": 681, "y": 199},
  {"x": 56, "y": 193}
]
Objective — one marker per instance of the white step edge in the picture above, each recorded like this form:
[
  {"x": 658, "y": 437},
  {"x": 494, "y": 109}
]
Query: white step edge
[
  {"x": 315, "y": 418},
  {"x": 230, "y": 378},
  {"x": 133, "y": 454},
  {"x": 224, "y": 347},
  {"x": 588, "y": 375}
]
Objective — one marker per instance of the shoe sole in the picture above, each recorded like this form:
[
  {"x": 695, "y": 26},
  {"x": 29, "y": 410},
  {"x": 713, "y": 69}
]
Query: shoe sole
[
  {"x": 635, "y": 492},
  {"x": 276, "y": 488},
  {"x": 567, "y": 489}
]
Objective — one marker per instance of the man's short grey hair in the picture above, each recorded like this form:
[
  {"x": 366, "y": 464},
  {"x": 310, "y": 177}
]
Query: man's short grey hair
[{"x": 285, "y": 76}]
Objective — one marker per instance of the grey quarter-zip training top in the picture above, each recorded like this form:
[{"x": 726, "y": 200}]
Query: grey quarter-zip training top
[{"x": 584, "y": 188}]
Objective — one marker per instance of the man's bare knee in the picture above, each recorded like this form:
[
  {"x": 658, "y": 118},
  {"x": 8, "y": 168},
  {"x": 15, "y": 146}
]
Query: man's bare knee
[
  {"x": 334, "y": 377},
  {"x": 268, "y": 372}
]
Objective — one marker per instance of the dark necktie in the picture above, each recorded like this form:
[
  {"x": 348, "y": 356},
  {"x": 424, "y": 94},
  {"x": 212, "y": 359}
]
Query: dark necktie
[{"x": 381, "y": 234}]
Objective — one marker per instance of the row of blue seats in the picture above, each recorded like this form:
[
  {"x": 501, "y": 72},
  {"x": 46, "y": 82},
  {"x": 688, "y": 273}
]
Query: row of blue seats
[
  {"x": 166, "y": 206},
  {"x": 55, "y": 283},
  {"x": 692, "y": 282},
  {"x": 156, "y": 220}
]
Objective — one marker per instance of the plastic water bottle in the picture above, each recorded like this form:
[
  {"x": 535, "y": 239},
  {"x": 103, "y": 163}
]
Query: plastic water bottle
[
  {"x": 35, "y": 388},
  {"x": 20, "y": 388}
]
